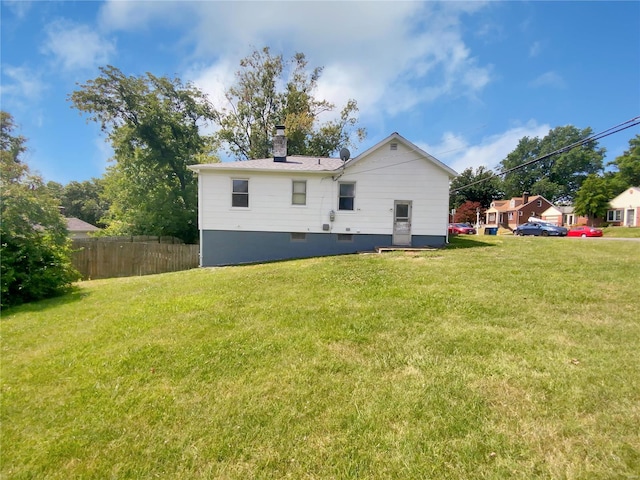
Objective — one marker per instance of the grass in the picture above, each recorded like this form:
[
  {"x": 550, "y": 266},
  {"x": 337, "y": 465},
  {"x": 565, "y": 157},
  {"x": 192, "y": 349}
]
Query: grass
[
  {"x": 621, "y": 232},
  {"x": 498, "y": 357}
]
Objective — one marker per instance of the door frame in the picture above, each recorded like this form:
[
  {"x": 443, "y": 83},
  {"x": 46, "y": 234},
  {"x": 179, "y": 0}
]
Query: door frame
[{"x": 402, "y": 237}]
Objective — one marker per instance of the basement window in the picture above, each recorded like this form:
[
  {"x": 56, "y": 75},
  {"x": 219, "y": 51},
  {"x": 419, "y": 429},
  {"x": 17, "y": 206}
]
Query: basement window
[
  {"x": 240, "y": 193},
  {"x": 298, "y": 237},
  {"x": 345, "y": 237}
]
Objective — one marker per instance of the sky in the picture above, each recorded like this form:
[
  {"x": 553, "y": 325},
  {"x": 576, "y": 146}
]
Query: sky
[{"x": 464, "y": 81}]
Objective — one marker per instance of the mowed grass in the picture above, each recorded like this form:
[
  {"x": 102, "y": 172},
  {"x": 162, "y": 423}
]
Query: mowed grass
[
  {"x": 621, "y": 232},
  {"x": 498, "y": 357}
]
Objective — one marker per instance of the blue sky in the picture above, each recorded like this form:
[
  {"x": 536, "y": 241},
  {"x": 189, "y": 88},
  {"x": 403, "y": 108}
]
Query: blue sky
[{"x": 464, "y": 81}]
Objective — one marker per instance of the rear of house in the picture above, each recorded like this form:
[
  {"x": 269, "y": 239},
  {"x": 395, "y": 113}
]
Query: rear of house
[{"x": 295, "y": 207}]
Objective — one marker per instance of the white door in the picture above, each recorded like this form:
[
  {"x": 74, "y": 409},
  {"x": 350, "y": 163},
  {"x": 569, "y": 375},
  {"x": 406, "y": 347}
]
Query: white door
[
  {"x": 630, "y": 218},
  {"x": 402, "y": 222}
]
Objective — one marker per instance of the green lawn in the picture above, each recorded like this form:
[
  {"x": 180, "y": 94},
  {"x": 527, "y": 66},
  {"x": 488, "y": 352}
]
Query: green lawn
[
  {"x": 496, "y": 358},
  {"x": 621, "y": 232}
]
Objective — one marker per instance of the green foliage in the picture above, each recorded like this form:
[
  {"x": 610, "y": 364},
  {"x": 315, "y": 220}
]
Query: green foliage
[
  {"x": 628, "y": 168},
  {"x": 592, "y": 200},
  {"x": 154, "y": 126},
  {"x": 35, "y": 247},
  {"x": 484, "y": 192},
  {"x": 258, "y": 104},
  {"x": 84, "y": 200},
  {"x": 558, "y": 177}
]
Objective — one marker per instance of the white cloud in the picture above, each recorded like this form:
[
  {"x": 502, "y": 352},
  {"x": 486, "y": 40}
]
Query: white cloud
[
  {"x": 549, "y": 79},
  {"x": 76, "y": 46},
  {"x": 455, "y": 150},
  {"x": 23, "y": 84},
  {"x": 20, "y": 8},
  {"x": 535, "y": 49},
  {"x": 390, "y": 56}
]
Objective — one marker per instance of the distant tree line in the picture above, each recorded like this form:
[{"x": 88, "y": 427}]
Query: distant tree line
[{"x": 575, "y": 177}]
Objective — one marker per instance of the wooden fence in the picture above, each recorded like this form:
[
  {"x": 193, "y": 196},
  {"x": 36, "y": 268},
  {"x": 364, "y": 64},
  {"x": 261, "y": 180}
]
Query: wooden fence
[{"x": 107, "y": 257}]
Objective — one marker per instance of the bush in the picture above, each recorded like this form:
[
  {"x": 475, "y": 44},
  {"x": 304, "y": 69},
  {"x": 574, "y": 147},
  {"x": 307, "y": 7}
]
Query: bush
[{"x": 34, "y": 246}]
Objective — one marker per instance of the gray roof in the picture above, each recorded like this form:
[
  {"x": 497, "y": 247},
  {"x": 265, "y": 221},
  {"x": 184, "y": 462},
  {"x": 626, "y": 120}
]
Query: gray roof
[
  {"x": 308, "y": 164},
  {"x": 293, "y": 163},
  {"x": 77, "y": 225}
]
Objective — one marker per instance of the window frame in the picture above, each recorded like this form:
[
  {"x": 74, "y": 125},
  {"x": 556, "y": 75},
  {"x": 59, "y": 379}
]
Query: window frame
[
  {"x": 616, "y": 212},
  {"x": 237, "y": 195},
  {"x": 294, "y": 193},
  {"x": 344, "y": 238},
  {"x": 341, "y": 197}
]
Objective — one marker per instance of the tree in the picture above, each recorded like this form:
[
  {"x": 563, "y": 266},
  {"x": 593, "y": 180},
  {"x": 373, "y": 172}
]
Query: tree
[
  {"x": 257, "y": 104},
  {"x": 468, "y": 212},
  {"x": 628, "y": 167},
  {"x": 84, "y": 200},
  {"x": 484, "y": 188},
  {"x": 557, "y": 177},
  {"x": 35, "y": 248},
  {"x": 592, "y": 200},
  {"x": 154, "y": 125}
]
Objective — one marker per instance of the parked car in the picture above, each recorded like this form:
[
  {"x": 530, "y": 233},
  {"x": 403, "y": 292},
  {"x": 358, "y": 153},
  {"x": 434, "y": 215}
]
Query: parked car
[
  {"x": 540, "y": 229},
  {"x": 584, "y": 231},
  {"x": 461, "y": 228}
]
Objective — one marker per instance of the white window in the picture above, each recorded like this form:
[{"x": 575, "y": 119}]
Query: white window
[
  {"x": 346, "y": 196},
  {"x": 299, "y": 192},
  {"x": 240, "y": 193},
  {"x": 539, "y": 203},
  {"x": 510, "y": 215},
  {"x": 614, "y": 216},
  {"x": 520, "y": 213}
]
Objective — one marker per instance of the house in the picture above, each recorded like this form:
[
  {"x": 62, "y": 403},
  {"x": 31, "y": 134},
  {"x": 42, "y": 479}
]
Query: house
[
  {"x": 79, "y": 228},
  {"x": 563, "y": 216},
  {"x": 514, "y": 212},
  {"x": 625, "y": 208},
  {"x": 300, "y": 206}
]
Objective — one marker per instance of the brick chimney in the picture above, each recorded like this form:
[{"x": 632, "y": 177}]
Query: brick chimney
[
  {"x": 280, "y": 145},
  {"x": 525, "y": 198}
]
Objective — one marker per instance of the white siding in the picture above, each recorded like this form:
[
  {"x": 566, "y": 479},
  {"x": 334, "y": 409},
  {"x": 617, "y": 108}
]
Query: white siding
[{"x": 381, "y": 178}]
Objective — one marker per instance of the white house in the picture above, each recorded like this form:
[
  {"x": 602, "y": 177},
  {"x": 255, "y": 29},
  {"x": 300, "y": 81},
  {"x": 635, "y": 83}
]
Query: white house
[
  {"x": 296, "y": 206},
  {"x": 625, "y": 208}
]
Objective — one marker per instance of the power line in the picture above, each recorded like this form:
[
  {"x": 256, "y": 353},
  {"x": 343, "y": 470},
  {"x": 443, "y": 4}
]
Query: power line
[{"x": 605, "y": 133}]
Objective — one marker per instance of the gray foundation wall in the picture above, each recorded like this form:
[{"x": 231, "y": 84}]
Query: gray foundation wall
[{"x": 221, "y": 247}]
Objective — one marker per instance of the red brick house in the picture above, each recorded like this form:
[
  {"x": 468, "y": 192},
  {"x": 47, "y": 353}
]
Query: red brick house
[{"x": 511, "y": 213}]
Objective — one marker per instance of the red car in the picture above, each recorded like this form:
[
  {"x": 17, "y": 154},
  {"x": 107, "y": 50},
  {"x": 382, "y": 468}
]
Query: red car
[
  {"x": 464, "y": 228},
  {"x": 584, "y": 231}
]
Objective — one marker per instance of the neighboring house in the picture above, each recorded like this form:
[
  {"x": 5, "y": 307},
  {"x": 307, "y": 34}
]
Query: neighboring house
[
  {"x": 299, "y": 206},
  {"x": 80, "y": 229},
  {"x": 563, "y": 216},
  {"x": 625, "y": 208},
  {"x": 516, "y": 211}
]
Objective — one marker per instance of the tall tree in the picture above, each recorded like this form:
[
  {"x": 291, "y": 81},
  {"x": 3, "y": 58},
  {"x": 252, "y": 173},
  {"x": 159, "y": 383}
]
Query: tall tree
[
  {"x": 270, "y": 91},
  {"x": 154, "y": 127},
  {"x": 557, "y": 177},
  {"x": 35, "y": 248},
  {"x": 592, "y": 199},
  {"x": 628, "y": 167},
  {"x": 481, "y": 186}
]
